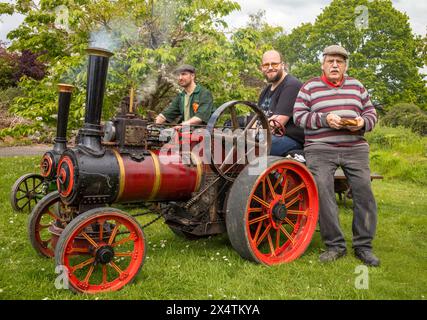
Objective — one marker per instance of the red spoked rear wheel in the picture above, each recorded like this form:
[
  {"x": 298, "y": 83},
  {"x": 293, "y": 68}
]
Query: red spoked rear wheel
[
  {"x": 271, "y": 218},
  {"x": 103, "y": 250}
]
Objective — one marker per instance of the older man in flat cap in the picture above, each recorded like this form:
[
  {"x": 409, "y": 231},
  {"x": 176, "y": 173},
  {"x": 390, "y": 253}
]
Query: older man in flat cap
[
  {"x": 193, "y": 105},
  {"x": 335, "y": 111}
]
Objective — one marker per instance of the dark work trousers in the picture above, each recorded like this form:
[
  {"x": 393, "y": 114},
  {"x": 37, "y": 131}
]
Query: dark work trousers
[{"x": 323, "y": 160}]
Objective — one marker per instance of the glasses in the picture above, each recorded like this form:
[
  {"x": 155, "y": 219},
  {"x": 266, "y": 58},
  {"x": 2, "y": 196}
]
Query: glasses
[
  {"x": 339, "y": 62},
  {"x": 273, "y": 65}
]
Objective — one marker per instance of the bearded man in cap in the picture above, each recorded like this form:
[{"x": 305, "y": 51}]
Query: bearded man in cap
[
  {"x": 193, "y": 105},
  {"x": 335, "y": 110}
]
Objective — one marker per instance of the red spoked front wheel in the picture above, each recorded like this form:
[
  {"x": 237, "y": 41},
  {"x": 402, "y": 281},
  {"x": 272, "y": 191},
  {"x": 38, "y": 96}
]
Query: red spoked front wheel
[
  {"x": 102, "y": 249},
  {"x": 46, "y": 215},
  {"x": 271, "y": 217}
]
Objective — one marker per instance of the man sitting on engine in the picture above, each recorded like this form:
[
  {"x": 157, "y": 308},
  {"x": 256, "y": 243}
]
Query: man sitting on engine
[{"x": 193, "y": 105}]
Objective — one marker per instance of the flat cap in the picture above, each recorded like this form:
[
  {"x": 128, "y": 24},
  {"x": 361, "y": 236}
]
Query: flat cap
[
  {"x": 186, "y": 67},
  {"x": 335, "y": 49}
]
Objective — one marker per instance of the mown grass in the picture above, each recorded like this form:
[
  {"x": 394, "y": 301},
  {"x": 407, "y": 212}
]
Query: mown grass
[{"x": 210, "y": 268}]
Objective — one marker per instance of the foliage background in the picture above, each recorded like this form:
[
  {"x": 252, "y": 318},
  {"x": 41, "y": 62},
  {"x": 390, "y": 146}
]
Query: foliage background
[{"x": 151, "y": 38}]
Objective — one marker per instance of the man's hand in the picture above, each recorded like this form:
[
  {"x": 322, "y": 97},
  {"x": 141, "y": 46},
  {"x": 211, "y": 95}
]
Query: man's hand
[
  {"x": 360, "y": 124},
  {"x": 160, "y": 119},
  {"x": 334, "y": 121}
]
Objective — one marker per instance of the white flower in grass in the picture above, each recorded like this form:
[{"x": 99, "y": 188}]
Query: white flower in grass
[
  {"x": 46, "y": 298},
  {"x": 1, "y": 290},
  {"x": 210, "y": 296},
  {"x": 39, "y": 118}
]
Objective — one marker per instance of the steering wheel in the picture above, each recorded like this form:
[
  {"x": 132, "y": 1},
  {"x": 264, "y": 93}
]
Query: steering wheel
[{"x": 277, "y": 128}]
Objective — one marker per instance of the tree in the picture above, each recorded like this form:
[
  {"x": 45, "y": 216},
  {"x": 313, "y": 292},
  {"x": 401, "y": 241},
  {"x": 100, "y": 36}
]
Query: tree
[
  {"x": 384, "y": 53},
  {"x": 149, "y": 40}
]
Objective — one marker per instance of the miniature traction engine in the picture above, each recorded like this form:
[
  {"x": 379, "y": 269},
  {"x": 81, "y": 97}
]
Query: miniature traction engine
[{"x": 269, "y": 216}]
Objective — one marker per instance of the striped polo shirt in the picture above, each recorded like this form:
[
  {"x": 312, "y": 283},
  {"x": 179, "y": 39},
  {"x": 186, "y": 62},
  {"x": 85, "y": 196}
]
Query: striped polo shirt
[{"x": 316, "y": 100}]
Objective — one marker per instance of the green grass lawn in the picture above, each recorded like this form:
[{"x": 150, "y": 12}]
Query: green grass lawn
[{"x": 210, "y": 269}]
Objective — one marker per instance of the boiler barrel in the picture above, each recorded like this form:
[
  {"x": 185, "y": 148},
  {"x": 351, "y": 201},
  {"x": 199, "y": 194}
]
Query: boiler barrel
[
  {"x": 158, "y": 178},
  {"x": 116, "y": 177}
]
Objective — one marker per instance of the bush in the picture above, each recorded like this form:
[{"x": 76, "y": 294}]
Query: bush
[
  {"x": 13, "y": 66},
  {"x": 407, "y": 115}
]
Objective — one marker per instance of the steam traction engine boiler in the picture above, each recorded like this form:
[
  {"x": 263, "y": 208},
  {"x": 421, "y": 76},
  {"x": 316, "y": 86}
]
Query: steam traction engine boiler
[
  {"x": 269, "y": 216},
  {"x": 31, "y": 187}
]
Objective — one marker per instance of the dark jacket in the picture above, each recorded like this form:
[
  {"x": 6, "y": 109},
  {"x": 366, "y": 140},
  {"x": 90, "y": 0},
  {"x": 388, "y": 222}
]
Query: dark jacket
[{"x": 201, "y": 105}]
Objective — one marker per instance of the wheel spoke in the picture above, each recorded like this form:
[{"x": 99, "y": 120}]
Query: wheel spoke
[
  {"x": 264, "y": 234},
  {"x": 123, "y": 254},
  {"x": 45, "y": 243},
  {"x": 257, "y": 232},
  {"x": 41, "y": 182},
  {"x": 113, "y": 234},
  {"x": 277, "y": 238},
  {"x": 261, "y": 218},
  {"x": 294, "y": 190},
  {"x": 53, "y": 215},
  {"x": 251, "y": 123},
  {"x": 292, "y": 202},
  {"x": 26, "y": 185},
  {"x": 286, "y": 233},
  {"x": 18, "y": 199},
  {"x": 78, "y": 250},
  {"x": 116, "y": 267},
  {"x": 255, "y": 210},
  {"x": 285, "y": 187},
  {"x": 89, "y": 273},
  {"x": 101, "y": 230},
  {"x": 122, "y": 241},
  {"x": 229, "y": 155},
  {"x": 289, "y": 222},
  {"x": 279, "y": 179},
  {"x": 270, "y": 243},
  {"x": 42, "y": 226},
  {"x": 234, "y": 121},
  {"x": 82, "y": 264},
  {"x": 298, "y": 212},
  {"x": 261, "y": 201},
  {"x": 25, "y": 204},
  {"x": 270, "y": 186},
  {"x": 89, "y": 239},
  {"x": 104, "y": 274}
]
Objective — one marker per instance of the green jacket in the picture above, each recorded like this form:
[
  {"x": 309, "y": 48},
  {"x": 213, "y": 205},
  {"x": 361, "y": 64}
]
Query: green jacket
[{"x": 201, "y": 105}]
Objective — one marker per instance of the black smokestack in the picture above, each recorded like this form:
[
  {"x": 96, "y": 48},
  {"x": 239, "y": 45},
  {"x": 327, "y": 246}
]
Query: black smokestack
[
  {"x": 90, "y": 135},
  {"x": 65, "y": 91}
]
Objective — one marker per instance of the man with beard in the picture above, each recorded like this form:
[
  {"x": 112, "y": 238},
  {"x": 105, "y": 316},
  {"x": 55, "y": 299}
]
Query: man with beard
[
  {"x": 277, "y": 101},
  {"x": 335, "y": 110},
  {"x": 193, "y": 105}
]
